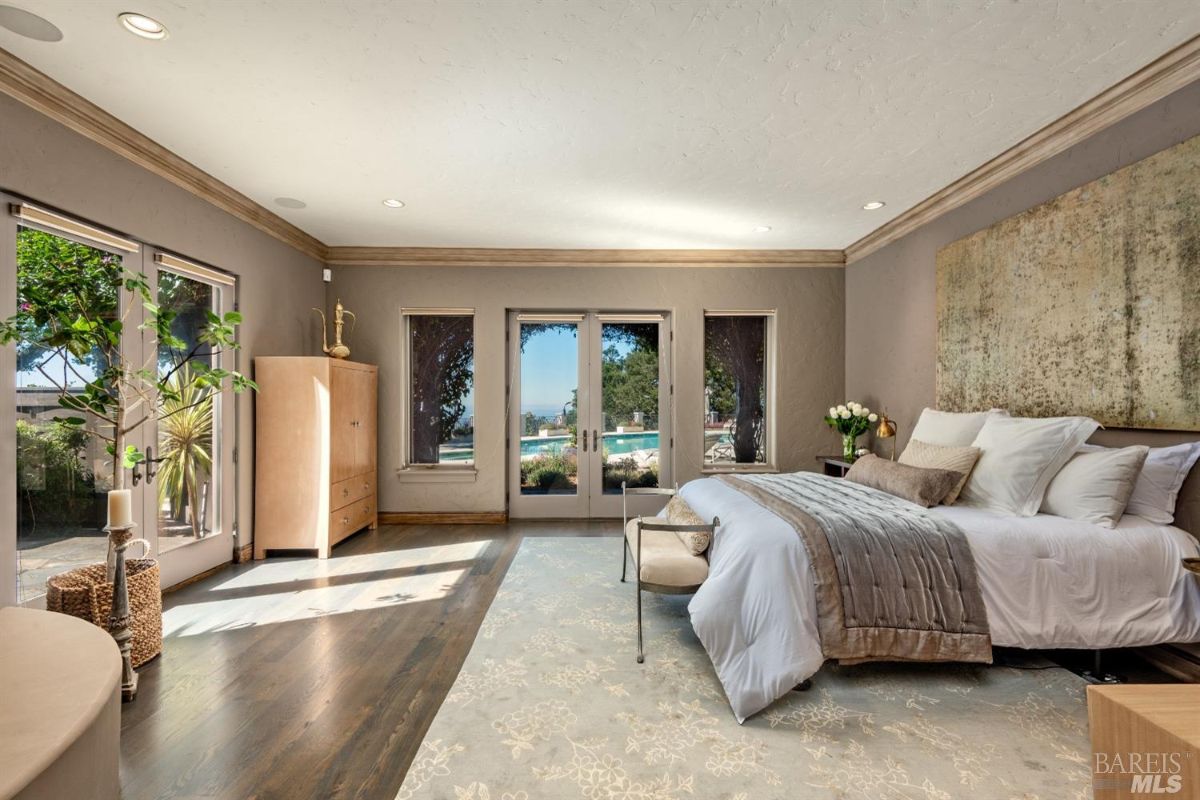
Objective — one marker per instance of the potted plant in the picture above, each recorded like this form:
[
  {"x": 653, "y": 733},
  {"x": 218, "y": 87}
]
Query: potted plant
[
  {"x": 851, "y": 421},
  {"x": 62, "y": 331}
]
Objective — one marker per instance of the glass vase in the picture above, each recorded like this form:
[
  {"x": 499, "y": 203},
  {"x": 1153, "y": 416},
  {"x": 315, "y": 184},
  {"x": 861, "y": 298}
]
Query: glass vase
[{"x": 849, "y": 446}]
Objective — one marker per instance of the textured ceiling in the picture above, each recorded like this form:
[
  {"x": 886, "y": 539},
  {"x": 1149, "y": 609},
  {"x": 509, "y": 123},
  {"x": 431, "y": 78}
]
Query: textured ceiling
[{"x": 597, "y": 124}]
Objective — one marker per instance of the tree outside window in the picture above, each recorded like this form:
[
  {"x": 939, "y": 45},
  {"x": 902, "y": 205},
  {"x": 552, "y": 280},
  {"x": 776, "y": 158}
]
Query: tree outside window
[
  {"x": 735, "y": 389},
  {"x": 441, "y": 413}
]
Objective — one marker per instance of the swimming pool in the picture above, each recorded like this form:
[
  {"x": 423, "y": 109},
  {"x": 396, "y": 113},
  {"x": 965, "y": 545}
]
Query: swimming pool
[{"x": 615, "y": 443}]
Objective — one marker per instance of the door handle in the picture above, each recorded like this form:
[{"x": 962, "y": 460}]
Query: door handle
[
  {"x": 151, "y": 471},
  {"x": 584, "y": 440},
  {"x": 595, "y": 441}
]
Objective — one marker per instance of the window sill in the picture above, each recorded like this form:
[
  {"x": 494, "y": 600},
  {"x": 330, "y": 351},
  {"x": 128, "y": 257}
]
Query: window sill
[
  {"x": 436, "y": 474},
  {"x": 737, "y": 469}
]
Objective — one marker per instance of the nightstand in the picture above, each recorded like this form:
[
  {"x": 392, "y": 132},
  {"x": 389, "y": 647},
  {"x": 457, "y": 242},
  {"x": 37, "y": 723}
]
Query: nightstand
[{"x": 835, "y": 466}]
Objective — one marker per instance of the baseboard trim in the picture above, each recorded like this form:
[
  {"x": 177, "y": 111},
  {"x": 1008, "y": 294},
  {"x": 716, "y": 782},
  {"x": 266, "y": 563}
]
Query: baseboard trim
[
  {"x": 244, "y": 554},
  {"x": 1178, "y": 661},
  {"x": 197, "y": 577},
  {"x": 443, "y": 518}
]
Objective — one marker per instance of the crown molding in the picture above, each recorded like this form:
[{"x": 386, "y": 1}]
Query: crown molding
[
  {"x": 27, "y": 85},
  {"x": 1151, "y": 83},
  {"x": 502, "y": 257}
]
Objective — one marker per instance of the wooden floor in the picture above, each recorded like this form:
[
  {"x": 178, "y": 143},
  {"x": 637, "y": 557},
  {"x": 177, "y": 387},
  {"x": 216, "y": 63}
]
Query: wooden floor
[
  {"x": 300, "y": 678},
  {"x": 295, "y": 678}
]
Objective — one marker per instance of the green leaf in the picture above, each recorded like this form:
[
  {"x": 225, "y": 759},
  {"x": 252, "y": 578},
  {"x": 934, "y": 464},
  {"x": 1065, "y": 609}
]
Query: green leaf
[
  {"x": 133, "y": 457},
  {"x": 233, "y": 318},
  {"x": 70, "y": 421}
]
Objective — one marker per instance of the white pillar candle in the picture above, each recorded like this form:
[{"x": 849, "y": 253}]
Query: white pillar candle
[{"x": 120, "y": 508}]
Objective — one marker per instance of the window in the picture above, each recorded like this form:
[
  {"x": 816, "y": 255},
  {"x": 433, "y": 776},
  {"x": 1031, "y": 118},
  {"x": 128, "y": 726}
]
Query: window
[
  {"x": 440, "y": 347},
  {"x": 737, "y": 388}
]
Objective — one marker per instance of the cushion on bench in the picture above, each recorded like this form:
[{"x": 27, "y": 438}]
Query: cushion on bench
[
  {"x": 666, "y": 560},
  {"x": 680, "y": 513}
]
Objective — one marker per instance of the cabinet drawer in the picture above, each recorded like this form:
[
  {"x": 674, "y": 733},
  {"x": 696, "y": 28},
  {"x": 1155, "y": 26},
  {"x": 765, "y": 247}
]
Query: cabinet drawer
[
  {"x": 351, "y": 518},
  {"x": 343, "y": 493}
]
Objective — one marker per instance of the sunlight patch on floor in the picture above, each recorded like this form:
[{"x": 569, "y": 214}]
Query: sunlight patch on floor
[
  {"x": 190, "y": 619},
  {"x": 289, "y": 570}
]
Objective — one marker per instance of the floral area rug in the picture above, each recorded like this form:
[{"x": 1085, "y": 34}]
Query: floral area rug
[{"x": 551, "y": 704}]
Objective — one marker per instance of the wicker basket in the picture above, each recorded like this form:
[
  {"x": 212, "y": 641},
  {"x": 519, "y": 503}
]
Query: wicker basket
[{"x": 84, "y": 593}]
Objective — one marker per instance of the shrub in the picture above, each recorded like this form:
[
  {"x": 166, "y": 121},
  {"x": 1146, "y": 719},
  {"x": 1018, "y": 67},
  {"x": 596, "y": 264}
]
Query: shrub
[
  {"x": 54, "y": 485},
  {"x": 551, "y": 479},
  {"x": 564, "y": 466},
  {"x": 627, "y": 470}
]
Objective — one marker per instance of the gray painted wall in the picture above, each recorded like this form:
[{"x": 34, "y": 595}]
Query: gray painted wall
[
  {"x": 810, "y": 305},
  {"x": 47, "y": 162},
  {"x": 891, "y": 321}
]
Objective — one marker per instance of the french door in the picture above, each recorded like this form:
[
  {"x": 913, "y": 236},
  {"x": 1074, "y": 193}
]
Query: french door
[
  {"x": 589, "y": 400},
  {"x": 54, "y": 492},
  {"x": 189, "y": 476}
]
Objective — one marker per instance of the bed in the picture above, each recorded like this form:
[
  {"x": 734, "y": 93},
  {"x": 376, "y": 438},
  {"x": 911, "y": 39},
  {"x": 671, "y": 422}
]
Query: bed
[{"x": 1046, "y": 582}]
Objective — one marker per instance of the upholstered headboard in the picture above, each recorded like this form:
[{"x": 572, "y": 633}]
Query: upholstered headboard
[{"x": 1187, "y": 511}]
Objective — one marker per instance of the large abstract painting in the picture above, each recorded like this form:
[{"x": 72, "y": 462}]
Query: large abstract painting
[{"x": 1087, "y": 304}]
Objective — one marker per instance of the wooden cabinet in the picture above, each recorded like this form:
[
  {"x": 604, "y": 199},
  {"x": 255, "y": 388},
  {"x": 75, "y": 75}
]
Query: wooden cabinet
[{"x": 315, "y": 452}]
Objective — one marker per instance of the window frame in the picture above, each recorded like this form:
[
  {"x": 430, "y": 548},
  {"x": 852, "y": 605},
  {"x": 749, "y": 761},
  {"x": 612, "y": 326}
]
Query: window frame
[
  {"x": 770, "y": 382},
  {"x": 408, "y": 470}
]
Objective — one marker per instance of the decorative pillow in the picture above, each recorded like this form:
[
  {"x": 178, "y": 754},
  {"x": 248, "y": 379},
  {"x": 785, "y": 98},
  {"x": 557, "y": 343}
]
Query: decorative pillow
[
  {"x": 1157, "y": 488},
  {"x": 925, "y": 487},
  {"x": 1021, "y": 455},
  {"x": 1095, "y": 486},
  {"x": 680, "y": 513},
  {"x": 950, "y": 428},
  {"x": 936, "y": 456}
]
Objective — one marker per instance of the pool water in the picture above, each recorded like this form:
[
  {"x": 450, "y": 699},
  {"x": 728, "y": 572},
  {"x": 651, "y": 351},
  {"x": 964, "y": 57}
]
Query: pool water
[{"x": 615, "y": 443}]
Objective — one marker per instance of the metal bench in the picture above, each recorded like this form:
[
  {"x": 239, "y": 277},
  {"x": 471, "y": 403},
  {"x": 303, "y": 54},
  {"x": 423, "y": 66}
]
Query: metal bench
[{"x": 663, "y": 563}]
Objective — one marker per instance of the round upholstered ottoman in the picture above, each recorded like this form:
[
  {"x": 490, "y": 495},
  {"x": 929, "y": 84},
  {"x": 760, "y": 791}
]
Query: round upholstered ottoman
[{"x": 60, "y": 722}]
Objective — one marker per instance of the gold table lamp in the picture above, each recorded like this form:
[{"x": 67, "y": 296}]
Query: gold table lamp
[{"x": 887, "y": 430}]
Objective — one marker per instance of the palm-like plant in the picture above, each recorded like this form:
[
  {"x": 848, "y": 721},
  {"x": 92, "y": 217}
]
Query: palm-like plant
[{"x": 185, "y": 445}]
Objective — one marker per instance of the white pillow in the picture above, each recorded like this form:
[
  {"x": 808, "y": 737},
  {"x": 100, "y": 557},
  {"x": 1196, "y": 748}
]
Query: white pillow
[
  {"x": 1020, "y": 457},
  {"x": 1157, "y": 488},
  {"x": 1094, "y": 486},
  {"x": 950, "y": 428}
]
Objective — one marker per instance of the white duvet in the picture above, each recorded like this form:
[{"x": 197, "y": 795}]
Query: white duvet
[{"x": 1047, "y": 582}]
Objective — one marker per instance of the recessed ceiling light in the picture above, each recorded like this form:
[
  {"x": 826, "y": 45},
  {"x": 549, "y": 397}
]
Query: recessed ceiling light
[
  {"x": 392, "y": 202},
  {"x": 290, "y": 202},
  {"x": 761, "y": 228},
  {"x": 31, "y": 26},
  {"x": 874, "y": 204},
  {"x": 143, "y": 26}
]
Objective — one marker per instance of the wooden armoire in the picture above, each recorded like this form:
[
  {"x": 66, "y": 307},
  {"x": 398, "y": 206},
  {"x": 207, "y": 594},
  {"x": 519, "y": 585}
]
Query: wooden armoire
[{"x": 315, "y": 446}]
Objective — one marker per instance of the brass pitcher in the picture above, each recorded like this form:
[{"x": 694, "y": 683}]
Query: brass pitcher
[{"x": 338, "y": 350}]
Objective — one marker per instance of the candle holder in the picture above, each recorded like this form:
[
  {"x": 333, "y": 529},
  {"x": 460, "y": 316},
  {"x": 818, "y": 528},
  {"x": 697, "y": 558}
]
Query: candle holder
[{"x": 119, "y": 617}]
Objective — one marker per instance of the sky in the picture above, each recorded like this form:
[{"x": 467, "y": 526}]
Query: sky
[{"x": 549, "y": 371}]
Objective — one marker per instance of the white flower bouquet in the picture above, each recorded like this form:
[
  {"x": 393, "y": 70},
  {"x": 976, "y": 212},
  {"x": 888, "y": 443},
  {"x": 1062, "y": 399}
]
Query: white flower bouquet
[{"x": 851, "y": 421}]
